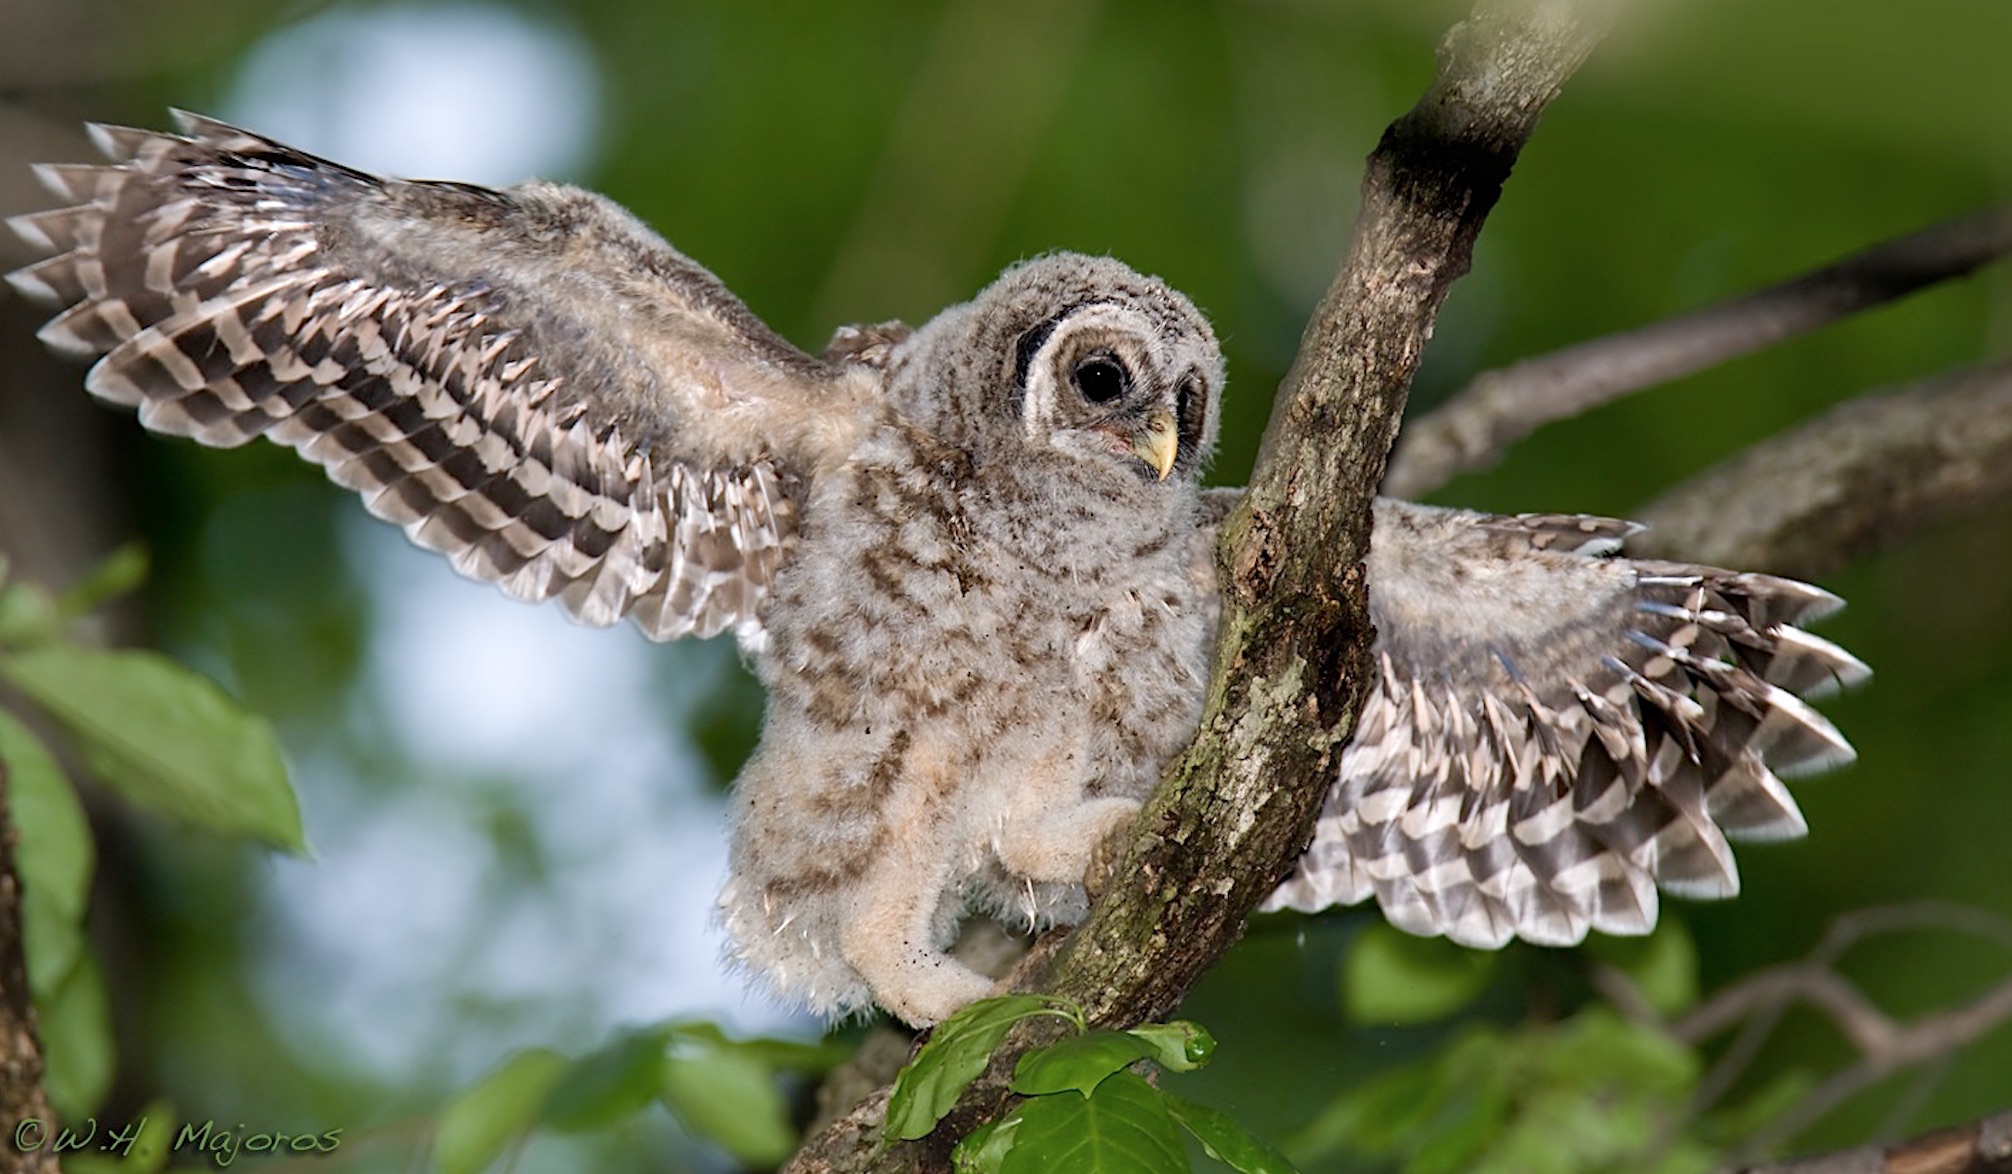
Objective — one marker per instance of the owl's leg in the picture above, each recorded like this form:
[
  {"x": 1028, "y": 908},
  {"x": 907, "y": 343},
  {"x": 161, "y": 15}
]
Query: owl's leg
[
  {"x": 1062, "y": 843},
  {"x": 904, "y": 912}
]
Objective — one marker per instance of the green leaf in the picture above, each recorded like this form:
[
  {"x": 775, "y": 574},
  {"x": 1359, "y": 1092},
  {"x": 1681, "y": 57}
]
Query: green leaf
[
  {"x": 77, "y": 1042},
  {"x": 166, "y": 738},
  {"x": 1391, "y": 977},
  {"x": 121, "y": 572},
  {"x": 1597, "y": 1049},
  {"x": 984, "y": 1149},
  {"x": 956, "y": 1053},
  {"x": 728, "y": 1096},
  {"x": 28, "y": 617},
  {"x": 611, "y": 1083},
  {"x": 1662, "y": 966},
  {"x": 1469, "y": 1118},
  {"x": 1078, "y": 1063},
  {"x": 1226, "y": 1139},
  {"x": 1392, "y": 1109},
  {"x": 481, "y": 1121},
  {"x": 53, "y": 854},
  {"x": 1180, "y": 1046},
  {"x": 789, "y": 1055},
  {"x": 1122, "y": 1128}
]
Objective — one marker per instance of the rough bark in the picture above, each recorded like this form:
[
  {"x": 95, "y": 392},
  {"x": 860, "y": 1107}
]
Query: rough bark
[
  {"x": 1860, "y": 476},
  {"x": 1485, "y": 419},
  {"x": 21, "y": 1095},
  {"x": 1292, "y": 661}
]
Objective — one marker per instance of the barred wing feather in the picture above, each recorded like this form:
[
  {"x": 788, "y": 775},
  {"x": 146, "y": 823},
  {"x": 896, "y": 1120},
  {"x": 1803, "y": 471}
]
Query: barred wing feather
[
  {"x": 528, "y": 381},
  {"x": 1555, "y": 735}
]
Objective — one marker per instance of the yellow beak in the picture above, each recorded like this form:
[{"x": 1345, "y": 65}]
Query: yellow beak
[{"x": 1159, "y": 442}]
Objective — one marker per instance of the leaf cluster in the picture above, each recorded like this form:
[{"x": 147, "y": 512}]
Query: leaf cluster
[
  {"x": 1085, "y": 1103},
  {"x": 722, "y": 1090},
  {"x": 161, "y": 737}
]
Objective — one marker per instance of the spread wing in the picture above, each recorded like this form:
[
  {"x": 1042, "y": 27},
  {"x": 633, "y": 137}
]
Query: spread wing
[
  {"x": 1556, "y": 734},
  {"x": 528, "y": 381}
]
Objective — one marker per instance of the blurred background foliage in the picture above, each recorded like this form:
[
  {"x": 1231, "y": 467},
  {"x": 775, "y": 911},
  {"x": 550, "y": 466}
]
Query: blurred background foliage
[{"x": 479, "y": 882}]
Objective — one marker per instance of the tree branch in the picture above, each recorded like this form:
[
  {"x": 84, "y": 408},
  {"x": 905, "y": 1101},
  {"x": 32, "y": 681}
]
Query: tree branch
[
  {"x": 1861, "y": 475},
  {"x": 1292, "y": 662},
  {"x": 1981, "y": 1147},
  {"x": 1497, "y": 408},
  {"x": 21, "y": 1093}
]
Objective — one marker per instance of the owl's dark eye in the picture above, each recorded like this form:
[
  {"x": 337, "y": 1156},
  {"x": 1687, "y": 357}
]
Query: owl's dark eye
[{"x": 1101, "y": 379}]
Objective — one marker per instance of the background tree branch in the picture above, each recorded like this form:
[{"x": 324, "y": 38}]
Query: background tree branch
[
  {"x": 1292, "y": 660},
  {"x": 1496, "y": 409},
  {"x": 1756, "y": 1004},
  {"x": 1863, "y": 474},
  {"x": 1981, "y": 1147},
  {"x": 21, "y": 1093}
]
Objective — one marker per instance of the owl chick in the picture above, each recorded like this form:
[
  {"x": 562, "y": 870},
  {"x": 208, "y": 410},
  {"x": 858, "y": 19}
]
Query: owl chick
[{"x": 970, "y": 562}]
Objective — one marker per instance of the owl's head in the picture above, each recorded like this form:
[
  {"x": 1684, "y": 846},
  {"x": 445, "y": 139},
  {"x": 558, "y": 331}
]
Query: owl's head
[{"x": 1079, "y": 360}]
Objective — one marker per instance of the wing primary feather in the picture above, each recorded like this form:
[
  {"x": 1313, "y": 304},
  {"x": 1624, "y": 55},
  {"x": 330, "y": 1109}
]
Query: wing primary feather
[
  {"x": 1601, "y": 729},
  {"x": 527, "y": 381}
]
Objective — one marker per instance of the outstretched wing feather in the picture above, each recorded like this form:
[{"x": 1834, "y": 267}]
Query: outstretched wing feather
[
  {"x": 527, "y": 381},
  {"x": 1554, "y": 736}
]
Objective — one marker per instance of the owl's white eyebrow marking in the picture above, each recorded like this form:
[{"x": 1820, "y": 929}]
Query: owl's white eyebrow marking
[{"x": 1040, "y": 386}]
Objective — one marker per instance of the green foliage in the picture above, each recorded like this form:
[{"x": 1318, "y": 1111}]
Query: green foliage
[
  {"x": 1121, "y": 1125},
  {"x": 957, "y": 1051},
  {"x": 76, "y": 1030},
  {"x": 479, "y": 1123},
  {"x": 721, "y": 1090},
  {"x": 146, "y": 1151},
  {"x": 122, "y": 573},
  {"x": 1392, "y": 977},
  {"x": 1078, "y": 1063},
  {"x": 1085, "y": 1109},
  {"x": 611, "y": 1083},
  {"x": 28, "y": 615},
  {"x": 1179, "y": 1046},
  {"x": 728, "y": 1095},
  {"x": 1225, "y": 1139},
  {"x": 164, "y": 738},
  {"x": 54, "y": 856},
  {"x": 1592, "y": 1092},
  {"x": 1662, "y": 967}
]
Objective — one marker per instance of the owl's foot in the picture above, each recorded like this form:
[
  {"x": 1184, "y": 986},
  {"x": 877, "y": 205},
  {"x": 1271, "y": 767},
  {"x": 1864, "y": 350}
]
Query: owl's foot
[
  {"x": 922, "y": 987},
  {"x": 1070, "y": 845},
  {"x": 900, "y": 920}
]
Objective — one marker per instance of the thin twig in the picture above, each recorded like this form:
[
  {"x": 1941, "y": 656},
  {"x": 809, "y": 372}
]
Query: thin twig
[
  {"x": 1863, "y": 1023},
  {"x": 1758, "y": 1017},
  {"x": 1927, "y": 1038},
  {"x": 1758, "y": 1002},
  {"x": 1849, "y": 929},
  {"x": 1496, "y": 409}
]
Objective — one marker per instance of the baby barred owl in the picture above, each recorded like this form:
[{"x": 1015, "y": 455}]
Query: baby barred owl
[{"x": 970, "y": 561}]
